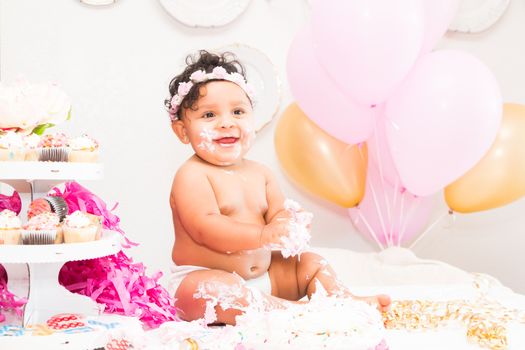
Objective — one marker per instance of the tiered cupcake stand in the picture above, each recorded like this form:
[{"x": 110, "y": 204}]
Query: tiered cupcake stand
[{"x": 33, "y": 269}]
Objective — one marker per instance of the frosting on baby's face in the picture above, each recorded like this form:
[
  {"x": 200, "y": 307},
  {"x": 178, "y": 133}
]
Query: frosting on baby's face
[{"x": 220, "y": 126}]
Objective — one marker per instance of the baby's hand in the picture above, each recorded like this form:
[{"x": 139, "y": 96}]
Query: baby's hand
[{"x": 272, "y": 233}]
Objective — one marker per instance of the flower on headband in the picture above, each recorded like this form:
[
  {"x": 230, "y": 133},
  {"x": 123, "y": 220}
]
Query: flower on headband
[
  {"x": 175, "y": 102},
  {"x": 238, "y": 79},
  {"x": 219, "y": 73},
  {"x": 198, "y": 76},
  {"x": 184, "y": 88}
]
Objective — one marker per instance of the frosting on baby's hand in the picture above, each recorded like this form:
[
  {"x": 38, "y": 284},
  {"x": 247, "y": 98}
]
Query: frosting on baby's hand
[{"x": 298, "y": 239}]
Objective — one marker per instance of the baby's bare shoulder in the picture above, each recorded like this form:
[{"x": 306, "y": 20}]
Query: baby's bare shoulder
[
  {"x": 262, "y": 169},
  {"x": 256, "y": 166},
  {"x": 190, "y": 173}
]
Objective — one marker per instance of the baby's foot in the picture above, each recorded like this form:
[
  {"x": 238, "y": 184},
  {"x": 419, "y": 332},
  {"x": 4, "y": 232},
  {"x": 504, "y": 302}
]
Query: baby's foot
[{"x": 382, "y": 301}]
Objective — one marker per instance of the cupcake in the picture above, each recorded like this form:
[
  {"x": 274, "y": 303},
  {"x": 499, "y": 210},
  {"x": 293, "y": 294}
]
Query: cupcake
[
  {"x": 10, "y": 227},
  {"x": 81, "y": 227},
  {"x": 11, "y": 147},
  {"x": 83, "y": 149},
  {"x": 31, "y": 142},
  {"x": 43, "y": 228},
  {"x": 53, "y": 148}
]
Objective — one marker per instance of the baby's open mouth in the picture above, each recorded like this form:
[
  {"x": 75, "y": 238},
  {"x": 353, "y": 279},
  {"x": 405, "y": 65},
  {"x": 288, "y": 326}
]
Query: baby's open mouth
[{"x": 227, "y": 140}]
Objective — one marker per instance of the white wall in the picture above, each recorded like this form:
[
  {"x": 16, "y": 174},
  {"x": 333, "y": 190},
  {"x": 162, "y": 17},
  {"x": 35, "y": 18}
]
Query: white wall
[{"x": 116, "y": 62}]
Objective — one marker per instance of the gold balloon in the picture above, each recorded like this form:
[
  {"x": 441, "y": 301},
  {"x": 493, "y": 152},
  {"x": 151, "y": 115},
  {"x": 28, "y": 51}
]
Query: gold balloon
[
  {"x": 319, "y": 162},
  {"x": 499, "y": 178}
]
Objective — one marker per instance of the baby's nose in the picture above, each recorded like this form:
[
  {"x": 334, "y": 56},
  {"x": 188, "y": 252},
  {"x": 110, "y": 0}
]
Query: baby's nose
[{"x": 226, "y": 122}]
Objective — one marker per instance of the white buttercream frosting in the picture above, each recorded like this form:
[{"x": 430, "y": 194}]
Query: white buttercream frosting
[
  {"x": 9, "y": 220},
  {"x": 43, "y": 221},
  {"x": 11, "y": 139},
  {"x": 77, "y": 220},
  {"x": 83, "y": 143},
  {"x": 31, "y": 141}
]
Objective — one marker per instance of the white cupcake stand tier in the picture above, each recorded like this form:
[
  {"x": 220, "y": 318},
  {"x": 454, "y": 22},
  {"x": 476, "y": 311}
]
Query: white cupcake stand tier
[
  {"x": 40, "y": 177},
  {"x": 33, "y": 269}
]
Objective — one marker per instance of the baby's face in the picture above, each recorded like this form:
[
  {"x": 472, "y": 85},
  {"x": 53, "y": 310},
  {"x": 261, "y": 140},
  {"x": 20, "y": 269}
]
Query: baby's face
[{"x": 220, "y": 127}]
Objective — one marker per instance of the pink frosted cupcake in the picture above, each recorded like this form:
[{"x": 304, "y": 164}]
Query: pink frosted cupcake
[
  {"x": 10, "y": 227},
  {"x": 53, "y": 148},
  {"x": 11, "y": 147},
  {"x": 81, "y": 227},
  {"x": 43, "y": 228},
  {"x": 83, "y": 149}
]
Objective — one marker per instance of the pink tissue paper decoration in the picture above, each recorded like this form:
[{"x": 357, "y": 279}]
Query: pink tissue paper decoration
[
  {"x": 11, "y": 202},
  {"x": 114, "y": 281},
  {"x": 122, "y": 287},
  {"x": 9, "y": 301}
]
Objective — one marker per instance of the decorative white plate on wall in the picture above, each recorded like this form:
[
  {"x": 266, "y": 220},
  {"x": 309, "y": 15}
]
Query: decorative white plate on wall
[
  {"x": 475, "y": 16},
  {"x": 205, "y": 13},
  {"x": 262, "y": 75}
]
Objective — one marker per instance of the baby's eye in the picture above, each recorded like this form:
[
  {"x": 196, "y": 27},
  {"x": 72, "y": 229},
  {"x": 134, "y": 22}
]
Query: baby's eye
[
  {"x": 208, "y": 115},
  {"x": 238, "y": 112}
]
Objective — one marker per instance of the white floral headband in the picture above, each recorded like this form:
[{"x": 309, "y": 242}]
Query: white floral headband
[{"x": 199, "y": 76}]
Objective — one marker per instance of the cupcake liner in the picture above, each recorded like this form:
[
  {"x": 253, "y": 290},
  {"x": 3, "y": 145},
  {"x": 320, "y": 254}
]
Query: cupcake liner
[
  {"x": 35, "y": 237},
  {"x": 83, "y": 156},
  {"x": 53, "y": 154},
  {"x": 12, "y": 154},
  {"x": 31, "y": 155},
  {"x": 58, "y": 205},
  {"x": 80, "y": 234},
  {"x": 10, "y": 236}
]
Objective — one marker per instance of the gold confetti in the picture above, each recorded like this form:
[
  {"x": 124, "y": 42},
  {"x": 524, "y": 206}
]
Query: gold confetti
[{"x": 486, "y": 320}]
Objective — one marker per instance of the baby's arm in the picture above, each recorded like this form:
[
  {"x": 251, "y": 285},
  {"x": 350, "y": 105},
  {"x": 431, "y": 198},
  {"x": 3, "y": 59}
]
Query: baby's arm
[
  {"x": 287, "y": 213},
  {"x": 274, "y": 198},
  {"x": 201, "y": 217}
]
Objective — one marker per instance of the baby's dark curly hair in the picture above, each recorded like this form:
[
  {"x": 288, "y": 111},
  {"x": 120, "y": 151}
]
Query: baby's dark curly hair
[{"x": 206, "y": 61}]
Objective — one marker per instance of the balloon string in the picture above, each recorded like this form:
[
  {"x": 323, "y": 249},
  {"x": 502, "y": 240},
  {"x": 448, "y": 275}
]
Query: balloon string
[
  {"x": 428, "y": 229},
  {"x": 407, "y": 217},
  {"x": 379, "y": 214},
  {"x": 372, "y": 233},
  {"x": 402, "y": 209},
  {"x": 388, "y": 235},
  {"x": 394, "y": 202}
]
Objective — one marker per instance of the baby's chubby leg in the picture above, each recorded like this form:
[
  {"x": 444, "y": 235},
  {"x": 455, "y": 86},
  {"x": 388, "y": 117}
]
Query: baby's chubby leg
[
  {"x": 294, "y": 278},
  {"x": 223, "y": 291}
]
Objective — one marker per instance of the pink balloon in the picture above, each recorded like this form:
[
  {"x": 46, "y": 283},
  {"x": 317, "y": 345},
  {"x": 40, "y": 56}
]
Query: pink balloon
[
  {"x": 320, "y": 99},
  {"x": 442, "y": 120},
  {"x": 368, "y": 46},
  {"x": 438, "y": 15},
  {"x": 379, "y": 151},
  {"x": 390, "y": 214}
]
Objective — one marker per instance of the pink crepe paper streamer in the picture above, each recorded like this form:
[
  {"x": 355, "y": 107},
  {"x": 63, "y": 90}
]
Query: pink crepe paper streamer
[
  {"x": 122, "y": 287},
  {"x": 114, "y": 281},
  {"x": 9, "y": 301},
  {"x": 12, "y": 202}
]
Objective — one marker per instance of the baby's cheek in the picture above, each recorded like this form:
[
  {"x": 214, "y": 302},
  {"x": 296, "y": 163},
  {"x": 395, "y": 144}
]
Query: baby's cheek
[{"x": 249, "y": 136}]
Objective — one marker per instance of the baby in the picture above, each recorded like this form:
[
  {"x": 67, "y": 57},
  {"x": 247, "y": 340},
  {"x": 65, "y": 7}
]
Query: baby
[{"x": 228, "y": 210}]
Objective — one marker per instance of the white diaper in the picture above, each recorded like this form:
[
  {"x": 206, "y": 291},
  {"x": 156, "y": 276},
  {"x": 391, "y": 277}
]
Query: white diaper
[{"x": 179, "y": 272}]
